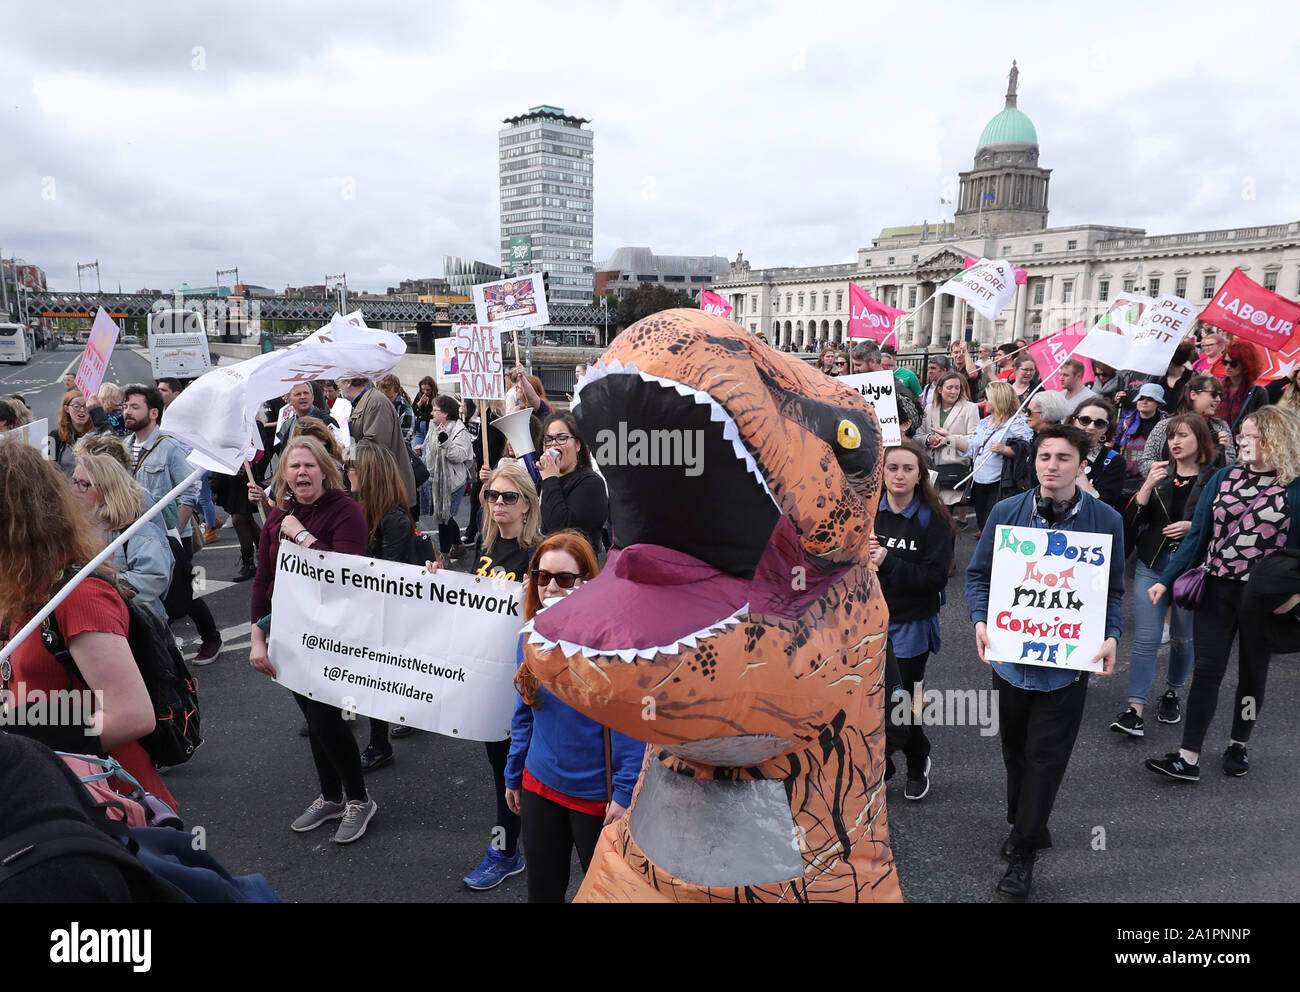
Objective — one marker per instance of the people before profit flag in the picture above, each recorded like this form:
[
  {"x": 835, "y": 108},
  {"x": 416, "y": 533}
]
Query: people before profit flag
[
  {"x": 511, "y": 531},
  {"x": 375, "y": 482},
  {"x": 1201, "y": 396},
  {"x": 449, "y": 455},
  {"x": 116, "y": 501},
  {"x": 1040, "y": 707},
  {"x": 568, "y": 777},
  {"x": 47, "y": 537},
  {"x": 315, "y": 513},
  {"x": 1247, "y": 512},
  {"x": 159, "y": 466},
  {"x": 1158, "y": 517},
  {"x": 911, "y": 550}
]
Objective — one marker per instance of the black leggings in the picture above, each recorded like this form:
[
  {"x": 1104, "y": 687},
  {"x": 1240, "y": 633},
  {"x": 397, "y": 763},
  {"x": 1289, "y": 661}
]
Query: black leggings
[
  {"x": 334, "y": 749},
  {"x": 180, "y": 600},
  {"x": 985, "y": 496},
  {"x": 910, "y": 736},
  {"x": 498, "y": 752},
  {"x": 551, "y": 832},
  {"x": 1216, "y": 625}
]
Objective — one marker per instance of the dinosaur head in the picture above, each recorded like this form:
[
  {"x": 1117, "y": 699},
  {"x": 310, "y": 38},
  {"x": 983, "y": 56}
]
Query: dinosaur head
[{"x": 736, "y": 617}]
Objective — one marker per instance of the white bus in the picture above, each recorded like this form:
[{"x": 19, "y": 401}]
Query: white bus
[{"x": 17, "y": 343}]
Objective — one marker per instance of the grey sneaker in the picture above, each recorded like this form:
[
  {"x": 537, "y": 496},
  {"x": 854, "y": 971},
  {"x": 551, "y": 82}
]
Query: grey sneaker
[
  {"x": 355, "y": 818},
  {"x": 320, "y": 810}
]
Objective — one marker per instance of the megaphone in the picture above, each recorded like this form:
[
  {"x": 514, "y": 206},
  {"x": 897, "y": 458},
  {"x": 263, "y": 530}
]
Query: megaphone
[{"x": 515, "y": 427}]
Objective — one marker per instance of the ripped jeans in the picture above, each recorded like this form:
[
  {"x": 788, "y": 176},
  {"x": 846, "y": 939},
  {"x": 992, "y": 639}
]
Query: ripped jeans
[{"x": 1149, "y": 620}]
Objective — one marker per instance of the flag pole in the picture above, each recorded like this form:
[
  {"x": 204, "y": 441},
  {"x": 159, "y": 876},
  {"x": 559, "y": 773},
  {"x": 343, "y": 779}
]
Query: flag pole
[
  {"x": 902, "y": 317},
  {"x": 98, "y": 560}
]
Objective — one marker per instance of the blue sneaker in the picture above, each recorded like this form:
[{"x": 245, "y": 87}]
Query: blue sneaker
[{"x": 494, "y": 869}]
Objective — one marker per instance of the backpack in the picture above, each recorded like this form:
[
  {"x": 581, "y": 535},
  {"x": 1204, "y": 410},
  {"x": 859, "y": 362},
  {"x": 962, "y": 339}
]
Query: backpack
[{"x": 173, "y": 691}]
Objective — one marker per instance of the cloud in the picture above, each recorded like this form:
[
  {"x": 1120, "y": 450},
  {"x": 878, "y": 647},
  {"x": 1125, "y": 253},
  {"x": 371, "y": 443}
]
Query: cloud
[{"x": 305, "y": 139}]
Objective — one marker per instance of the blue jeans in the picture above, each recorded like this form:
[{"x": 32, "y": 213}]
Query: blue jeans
[
  {"x": 205, "y": 502},
  {"x": 1149, "y": 620}
]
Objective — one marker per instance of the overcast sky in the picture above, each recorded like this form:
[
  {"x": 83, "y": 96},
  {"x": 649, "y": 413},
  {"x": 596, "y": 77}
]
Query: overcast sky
[{"x": 299, "y": 139}]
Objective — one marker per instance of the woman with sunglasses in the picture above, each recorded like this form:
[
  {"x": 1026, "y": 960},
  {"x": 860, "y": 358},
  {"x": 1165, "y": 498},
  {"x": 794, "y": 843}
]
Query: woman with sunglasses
[
  {"x": 573, "y": 495},
  {"x": 1201, "y": 396},
  {"x": 1247, "y": 511},
  {"x": 1242, "y": 365},
  {"x": 567, "y": 775},
  {"x": 511, "y": 530},
  {"x": 1159, "y": 517},
  {"x": 1103, "y": 472}
]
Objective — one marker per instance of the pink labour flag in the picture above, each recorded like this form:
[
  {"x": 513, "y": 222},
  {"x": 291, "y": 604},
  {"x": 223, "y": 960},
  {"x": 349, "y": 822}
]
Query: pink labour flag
[
  {"x": 868, "y": 317},
  {"x": 1048, "y": 353},
  {"x": 711, "y": 302},
  {"x": 1245, "y": 308}
]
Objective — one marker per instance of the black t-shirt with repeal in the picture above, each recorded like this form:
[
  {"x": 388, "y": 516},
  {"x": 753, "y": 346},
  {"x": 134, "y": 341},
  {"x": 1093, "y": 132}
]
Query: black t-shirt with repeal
[{"x": 505, "y": 558}]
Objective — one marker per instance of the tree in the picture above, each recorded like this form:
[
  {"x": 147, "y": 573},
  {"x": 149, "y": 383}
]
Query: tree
[{"x": 646, "y": 299}]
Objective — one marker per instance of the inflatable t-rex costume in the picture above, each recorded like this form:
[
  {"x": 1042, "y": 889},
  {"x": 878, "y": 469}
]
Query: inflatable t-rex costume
[{"x": 738, "y": 627}]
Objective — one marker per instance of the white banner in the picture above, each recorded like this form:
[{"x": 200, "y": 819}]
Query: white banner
[
  {"x": 519, "y": 301},
  {"x": 37, "y": 434},
  {"x": 481, "y": 364},
  {"x": 988, "y": 286},
  {"x": 392, "y": 641},
  {"x": 877, "y": 388},
  {"x": 1139, "y": 333},
  {"x": 1047, "y": 597},
  {"x": 216, "y": 415}
]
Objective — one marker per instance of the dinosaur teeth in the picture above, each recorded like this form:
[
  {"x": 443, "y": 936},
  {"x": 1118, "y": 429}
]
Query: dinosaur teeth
[{"x": 569, "y": 648}]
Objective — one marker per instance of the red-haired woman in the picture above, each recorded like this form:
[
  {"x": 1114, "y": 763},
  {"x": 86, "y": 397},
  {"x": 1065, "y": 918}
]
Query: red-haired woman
[
  {"x": 1242, "y": 364},
  {"x": 567, "y": 776}
]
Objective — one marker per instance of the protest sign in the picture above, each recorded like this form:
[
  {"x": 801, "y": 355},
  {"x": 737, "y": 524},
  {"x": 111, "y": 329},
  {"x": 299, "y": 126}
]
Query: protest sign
[
  {"x": 434, "y": 651},
  {"x": 1047, "y": 597},
  {"x": 444, "y": 350},
  {"x": 1048, "y": 353},
  {"x": 1245, "y": 308},
  {"x": 1139, "y": 333},
  {"x": 868, "y": 317},
  {"x": 988, "y": 286},
  {"x": 513, "y": 303},
  {"x": 877, "y": 388},
  {"x": 36, "y": 434},
  {"x": 478, "y": 354},
  {"x": 98, "y": 353},
  {"x": 713, "y": 303}
]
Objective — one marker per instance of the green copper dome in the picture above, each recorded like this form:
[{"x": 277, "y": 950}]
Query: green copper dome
[{"x": 1011, "y": 126}]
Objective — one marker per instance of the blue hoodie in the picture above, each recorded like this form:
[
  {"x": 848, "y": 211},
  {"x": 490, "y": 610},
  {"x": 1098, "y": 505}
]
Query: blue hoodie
[{"x": 565, "y": 750}]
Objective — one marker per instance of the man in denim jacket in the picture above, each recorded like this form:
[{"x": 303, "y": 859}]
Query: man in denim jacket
[
  {"x": 159, "y": 463},
  {"x": 1040, "y": 708}
]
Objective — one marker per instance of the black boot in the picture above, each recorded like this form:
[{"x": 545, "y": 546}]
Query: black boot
[
  {"x": 1015, "y": 884},
  {"x": 247, "y": 565}
]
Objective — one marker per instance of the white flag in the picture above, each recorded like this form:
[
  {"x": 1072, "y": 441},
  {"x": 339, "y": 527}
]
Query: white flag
[
  {"x": 988, "y": 286},
  {"x": 1139, "y": 333},
  {"x": 217, "y": 414}
]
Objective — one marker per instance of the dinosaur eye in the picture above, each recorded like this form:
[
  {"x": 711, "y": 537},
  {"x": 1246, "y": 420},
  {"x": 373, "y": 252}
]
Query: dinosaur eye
[{"x": 848, "y": 435}]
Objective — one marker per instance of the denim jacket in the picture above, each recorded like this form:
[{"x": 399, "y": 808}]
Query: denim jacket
[
  {"x": 158, "y": 471},
  {"x": 1090, "y": 515}
]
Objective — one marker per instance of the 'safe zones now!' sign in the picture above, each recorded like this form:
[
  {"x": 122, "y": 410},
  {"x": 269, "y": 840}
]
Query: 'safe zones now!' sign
[{"x": 478, "y": 350}]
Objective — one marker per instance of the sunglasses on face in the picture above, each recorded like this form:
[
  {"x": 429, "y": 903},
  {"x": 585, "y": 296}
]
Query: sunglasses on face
[
  {"x": 1090, "y": 422},
  {"x": 508, "y": 498},
  {"x": 565, "y": 580},
  {"x": 1228, "y": 363},
  {"x": 557, "y": 439}
]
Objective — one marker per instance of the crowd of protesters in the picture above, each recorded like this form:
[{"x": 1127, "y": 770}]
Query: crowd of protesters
[{"x": 1197, "y": 466}]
